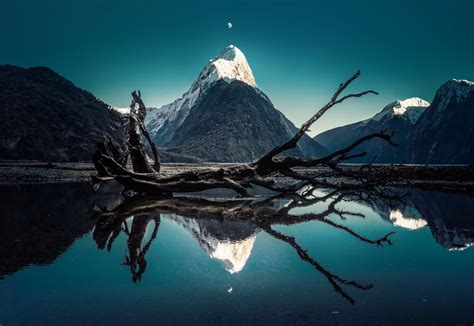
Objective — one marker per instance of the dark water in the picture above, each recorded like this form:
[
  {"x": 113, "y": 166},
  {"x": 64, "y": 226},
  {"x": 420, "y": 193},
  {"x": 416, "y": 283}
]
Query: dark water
[{"x": 61, "y": 264}]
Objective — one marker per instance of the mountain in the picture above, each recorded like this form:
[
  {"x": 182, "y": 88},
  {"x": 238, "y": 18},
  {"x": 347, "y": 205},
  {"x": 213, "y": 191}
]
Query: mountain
[
  {"x": 229, "y": 65},
  {"x": 45, "y": 117},
  {"x": 224, "y": 117},
  {"x": 401, "y": 115},
  {"x": 404, "y": 214},
  {"x": 233, "y": 123},
  {"x": 445, "y": 132},
  {"x": 229, "y": 242},
  {"x": 449, "y": 216}
]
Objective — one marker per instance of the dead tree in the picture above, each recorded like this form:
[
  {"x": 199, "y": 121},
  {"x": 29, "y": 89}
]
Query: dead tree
[
  {"x": 144, "y": 178},
  {"x": 107, "y": 230}
]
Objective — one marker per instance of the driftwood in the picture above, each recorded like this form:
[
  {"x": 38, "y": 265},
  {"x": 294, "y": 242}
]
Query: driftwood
[{"x": 144, "y": 177}]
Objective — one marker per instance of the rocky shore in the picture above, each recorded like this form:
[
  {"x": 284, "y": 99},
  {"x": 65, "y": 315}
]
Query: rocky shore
[{"x": 440, "y": 177}]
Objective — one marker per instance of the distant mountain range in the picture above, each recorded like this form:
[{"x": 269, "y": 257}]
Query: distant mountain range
[
  {"x": 399, "y": 115},
  {"x": 45, "y": 117},
  {"x": 436, "y": 133},
  {"x": 224, "y": 117}
]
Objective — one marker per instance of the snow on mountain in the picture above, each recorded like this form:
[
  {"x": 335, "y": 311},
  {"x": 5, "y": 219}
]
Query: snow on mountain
[
  {"x": 462, "y": 247},
  {"x": 232, "y": 255},
  {"x": 123, "y": 111},
  {"x": 409, "y": 109},
  {"x": 404, "y": 215},
  {"x": 400, "y": 218},
  {"x": 229, "y": 242},
  {"x": 229, "y": 65}
]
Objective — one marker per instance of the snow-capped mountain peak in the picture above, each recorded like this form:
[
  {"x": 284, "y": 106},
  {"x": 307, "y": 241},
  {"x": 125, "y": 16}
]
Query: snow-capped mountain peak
[
  {"x": 410, "y": 108},
  {"x": 229, "y": 65}
]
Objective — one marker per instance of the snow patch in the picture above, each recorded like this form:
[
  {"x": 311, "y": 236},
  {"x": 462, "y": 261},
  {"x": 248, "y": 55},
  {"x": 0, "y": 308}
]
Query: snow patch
[
  {"x": 410, "y": 109},
  {"x": 123, "y": 111},
  {"x": 232, "y": 254},
  {"x": 406, "y": 222}
]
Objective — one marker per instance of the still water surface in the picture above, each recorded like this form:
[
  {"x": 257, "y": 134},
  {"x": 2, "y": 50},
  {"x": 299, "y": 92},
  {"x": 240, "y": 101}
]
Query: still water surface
[{"x": 60, "y": 264}]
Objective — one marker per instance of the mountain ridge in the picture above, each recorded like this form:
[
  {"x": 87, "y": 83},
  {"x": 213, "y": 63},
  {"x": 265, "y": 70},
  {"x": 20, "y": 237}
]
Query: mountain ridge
[
  {"x": 438, "y": 133},
  {"x": 230, "y": 64},
  {"x": 46, "y": 117},
  {"x": 444, "y": 133},
  {"x": 400, "y": 115}
]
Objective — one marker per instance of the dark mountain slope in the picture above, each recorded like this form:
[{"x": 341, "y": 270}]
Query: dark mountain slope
[
  {"x": 234, "y": 123},
  {"x": 399, "y": 116},
  {"x": 45, "y": 117},
  {"x": 445, "y": 132}
]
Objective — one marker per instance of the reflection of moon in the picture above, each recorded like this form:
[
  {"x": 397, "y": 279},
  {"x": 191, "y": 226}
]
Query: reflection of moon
[{"x": 229, "y": 24}]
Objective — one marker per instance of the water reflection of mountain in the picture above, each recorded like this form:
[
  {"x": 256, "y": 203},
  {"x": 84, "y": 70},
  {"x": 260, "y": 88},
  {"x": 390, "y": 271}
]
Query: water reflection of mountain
[
  {"x": 230, "y": 242},
  {"x": 450, "y": 216},
  {"x": 39, "y": 222},
  {"x": 402, "y": 214}
]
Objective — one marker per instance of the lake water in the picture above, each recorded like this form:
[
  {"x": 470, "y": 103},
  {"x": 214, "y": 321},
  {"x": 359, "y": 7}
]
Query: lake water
[{"x": 61, "y": 264}]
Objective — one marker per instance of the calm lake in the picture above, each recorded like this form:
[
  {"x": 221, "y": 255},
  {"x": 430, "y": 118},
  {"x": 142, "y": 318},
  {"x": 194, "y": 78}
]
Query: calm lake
[{"x": 61, "y": 264}]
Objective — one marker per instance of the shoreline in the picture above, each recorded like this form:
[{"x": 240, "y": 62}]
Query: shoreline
[{"x": 451, "y": 177}]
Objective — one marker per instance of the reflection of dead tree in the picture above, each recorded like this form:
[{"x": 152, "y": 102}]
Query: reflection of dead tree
[
  {"x": 264, "y": 214},
  {"x": 336, "y": 198},
  {"x": 333, "y": 279},
  {"x": 144, "y": 178},
  {"x": 107, "y": 230},
  {"x": 136, "y": 259}
]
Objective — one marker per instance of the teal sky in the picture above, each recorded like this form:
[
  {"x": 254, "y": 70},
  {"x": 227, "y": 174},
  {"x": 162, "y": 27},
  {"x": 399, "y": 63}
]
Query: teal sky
[{"x": 299, "y": 51}]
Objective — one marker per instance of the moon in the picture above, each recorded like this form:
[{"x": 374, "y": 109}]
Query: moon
[{"x": 229, "y": 24}]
